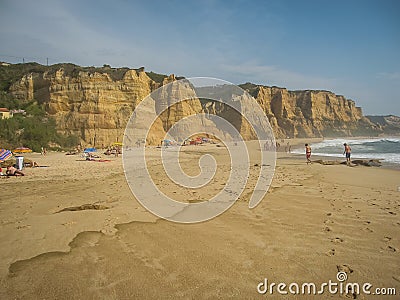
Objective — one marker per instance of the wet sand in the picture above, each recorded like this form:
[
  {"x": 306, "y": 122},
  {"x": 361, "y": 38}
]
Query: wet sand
[{"x": 73, "y": 230}]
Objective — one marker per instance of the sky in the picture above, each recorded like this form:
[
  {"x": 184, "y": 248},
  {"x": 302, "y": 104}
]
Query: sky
[{"x": 350, "y": 47}]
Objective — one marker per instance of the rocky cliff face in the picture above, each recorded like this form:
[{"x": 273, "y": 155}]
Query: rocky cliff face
[
  {"x": 311, "y": 113},
  {"x": 389, "y": 124},
  {"x": 93, "y": 106},
  {"x": 96, "y": 106}
]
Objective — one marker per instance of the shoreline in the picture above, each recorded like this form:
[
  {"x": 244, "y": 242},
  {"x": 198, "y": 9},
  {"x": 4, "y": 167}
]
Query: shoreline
[
  {"x": 295, "y": 144},
  {"x": 340, "y": 157},
  {"x": 385, "y": 165}
]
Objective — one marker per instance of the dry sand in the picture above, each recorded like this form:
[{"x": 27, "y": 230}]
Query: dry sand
[{"x": 73, "y": 230}]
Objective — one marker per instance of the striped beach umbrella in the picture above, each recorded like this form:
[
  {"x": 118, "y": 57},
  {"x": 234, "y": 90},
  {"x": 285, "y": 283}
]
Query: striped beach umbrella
[{"x": 5, "y": 154}]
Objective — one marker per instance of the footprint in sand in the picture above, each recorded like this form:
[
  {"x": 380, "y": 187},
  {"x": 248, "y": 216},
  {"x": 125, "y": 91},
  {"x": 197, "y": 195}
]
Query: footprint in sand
[
  {"x": 330, "y": 252},
  {"x": 23, "y": 226},
  {"x": 69, "y": 223},
  {"x": 387, "y": 239},
  {"x": 368, "y": 229},
  {"x": 337, "y": 240},
  {"x": 344, "y": 268},
  {"x": 392, "y": 249},
  {"x": 327, "y": 229}
]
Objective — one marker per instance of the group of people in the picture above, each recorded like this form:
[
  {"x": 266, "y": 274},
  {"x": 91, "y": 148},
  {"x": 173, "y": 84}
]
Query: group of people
[
  {"x": 347, "y": 151},
  {"x": 113, "y": 151},
  {"x": 269, "y": 145}
]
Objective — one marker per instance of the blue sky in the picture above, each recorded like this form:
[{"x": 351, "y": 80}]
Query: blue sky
[{"x": 348, "y": 47}]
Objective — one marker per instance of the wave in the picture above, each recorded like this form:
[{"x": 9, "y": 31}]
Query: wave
[
  {"x": 387, "y": 149},
  {"x": 340, "y": 142}
]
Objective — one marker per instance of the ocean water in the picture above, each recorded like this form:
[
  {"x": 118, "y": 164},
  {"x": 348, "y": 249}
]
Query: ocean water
[{"x": 385, "y": 149}]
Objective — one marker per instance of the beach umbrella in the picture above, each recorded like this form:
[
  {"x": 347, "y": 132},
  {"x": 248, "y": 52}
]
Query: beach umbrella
[
  {"x": 90, "y": 150},
  {"x": 167, "y": 142},
  {"x": 22, "y": 150},
  {"x": 5, "y": 154}
]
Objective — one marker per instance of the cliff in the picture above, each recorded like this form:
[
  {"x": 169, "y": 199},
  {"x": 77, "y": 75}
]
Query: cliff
[
  {"x": 311, "y": 113},
  {"x": 389, "y": 124},
  {"x": 96, "y": 103}
]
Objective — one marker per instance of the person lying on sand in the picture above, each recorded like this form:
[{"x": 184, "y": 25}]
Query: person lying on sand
[
  {"x": 72, "y": 152},
  {"x": 90, "y": 156},
  {"x": 11, "y": 171}
]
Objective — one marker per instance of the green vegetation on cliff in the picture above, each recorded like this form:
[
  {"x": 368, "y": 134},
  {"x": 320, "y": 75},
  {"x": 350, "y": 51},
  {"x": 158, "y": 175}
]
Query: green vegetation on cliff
[
  {"x": 12, "y": 73},
  {"x": 33, "y": 130},
  {"x": 156, "y": 77}
]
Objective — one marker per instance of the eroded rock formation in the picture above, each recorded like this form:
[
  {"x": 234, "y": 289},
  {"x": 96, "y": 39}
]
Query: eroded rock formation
[
  {"x": 310, "y": 113},
  {"x": 96, "y": 105}
]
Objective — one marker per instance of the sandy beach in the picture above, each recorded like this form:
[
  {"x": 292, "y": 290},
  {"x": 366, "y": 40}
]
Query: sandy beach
[{"x": 73, "y": 230}]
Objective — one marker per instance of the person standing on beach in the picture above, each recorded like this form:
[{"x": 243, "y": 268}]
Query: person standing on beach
[
  {"x": 347, "y": 151},
  {"x": 308, "y": 153},
  {"x": 288, "y": 147}
]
